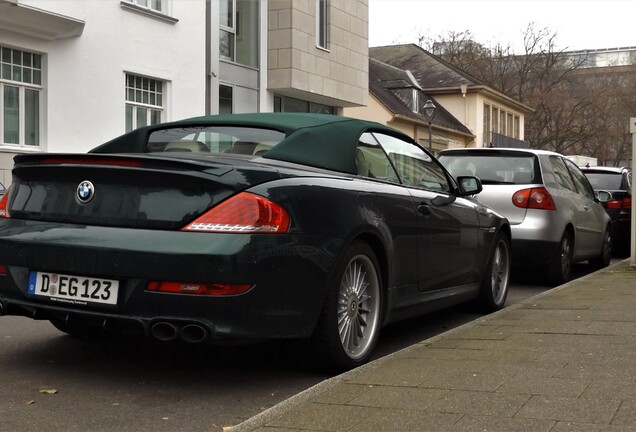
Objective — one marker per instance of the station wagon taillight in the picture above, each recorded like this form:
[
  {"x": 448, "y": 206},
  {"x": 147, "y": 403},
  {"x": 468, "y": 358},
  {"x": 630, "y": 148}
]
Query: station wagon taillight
[
  {"x": 243, "y": 213},
  {"x": 534, "y": 198}
]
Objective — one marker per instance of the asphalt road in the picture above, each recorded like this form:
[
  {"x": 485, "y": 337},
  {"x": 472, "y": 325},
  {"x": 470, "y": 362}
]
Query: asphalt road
[{"x": 51, "y": 382}]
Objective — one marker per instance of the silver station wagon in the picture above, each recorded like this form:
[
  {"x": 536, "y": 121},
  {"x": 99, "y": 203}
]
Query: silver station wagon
[{"x": 555, "y": 215}]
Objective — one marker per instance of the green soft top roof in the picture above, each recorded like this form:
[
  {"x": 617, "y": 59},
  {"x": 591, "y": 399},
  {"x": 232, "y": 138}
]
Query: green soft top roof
[{"x": 319, "y": 140}]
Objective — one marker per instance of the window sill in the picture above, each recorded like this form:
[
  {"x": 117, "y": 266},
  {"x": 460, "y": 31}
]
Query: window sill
[
  {"x": 323, "y": 49},
  {"x": 18, "y": 148},
  {"x": 148, "y": 12}
]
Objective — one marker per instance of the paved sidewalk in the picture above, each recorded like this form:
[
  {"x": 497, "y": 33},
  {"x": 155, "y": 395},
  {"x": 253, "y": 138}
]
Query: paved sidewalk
[{"x": 562, "y": 361}]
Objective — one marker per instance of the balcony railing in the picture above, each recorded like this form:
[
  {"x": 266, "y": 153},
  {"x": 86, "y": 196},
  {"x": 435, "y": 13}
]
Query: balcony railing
[{"x": 499, "y": 140}]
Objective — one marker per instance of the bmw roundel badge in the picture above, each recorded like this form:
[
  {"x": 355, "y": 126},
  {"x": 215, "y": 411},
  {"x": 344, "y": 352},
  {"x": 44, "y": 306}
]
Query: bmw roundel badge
[{"x": 85, "y": 191}]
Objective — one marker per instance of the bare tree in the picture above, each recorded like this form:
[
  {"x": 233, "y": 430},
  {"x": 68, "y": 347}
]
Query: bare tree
[{"x": 578, "y": 109}]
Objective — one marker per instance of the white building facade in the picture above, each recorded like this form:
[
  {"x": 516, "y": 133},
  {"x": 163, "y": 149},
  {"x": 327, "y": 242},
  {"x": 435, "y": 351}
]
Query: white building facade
[{"x": 75, "y": 74}]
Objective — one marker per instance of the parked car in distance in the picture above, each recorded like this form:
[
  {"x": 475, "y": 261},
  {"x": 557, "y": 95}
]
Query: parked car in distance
[
  {"x": 248, "y": 226},
  {"x": 555, "y": 216},
  {"x": 618, "y": 182}
]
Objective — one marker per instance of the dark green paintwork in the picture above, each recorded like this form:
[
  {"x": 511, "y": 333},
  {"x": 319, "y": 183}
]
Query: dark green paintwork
[{"x": 320, "y": 140}]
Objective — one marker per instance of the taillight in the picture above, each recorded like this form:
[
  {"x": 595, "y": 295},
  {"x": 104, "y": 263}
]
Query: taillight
[
  {"x": 4, "y": 211},
  {"x": 243, "y": 213},
  {"x": 198, "y": 288},
  {"x": 3, "y": 270},
  {"x": 534, "y": 198},
  {"x": 625, "y": 203}
]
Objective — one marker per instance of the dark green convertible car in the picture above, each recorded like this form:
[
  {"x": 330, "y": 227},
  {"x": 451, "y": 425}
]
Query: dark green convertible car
[{"x": 248, "y": 226}]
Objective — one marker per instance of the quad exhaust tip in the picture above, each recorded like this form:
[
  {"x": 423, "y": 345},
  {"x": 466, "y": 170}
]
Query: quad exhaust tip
[
  {"x": 193, "y": 333},
  {"x": 164, "y": 331}
]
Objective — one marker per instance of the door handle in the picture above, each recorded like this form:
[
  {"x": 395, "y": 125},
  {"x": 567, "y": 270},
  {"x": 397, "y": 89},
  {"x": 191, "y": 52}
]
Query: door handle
[{"x": 424, "y": 209}]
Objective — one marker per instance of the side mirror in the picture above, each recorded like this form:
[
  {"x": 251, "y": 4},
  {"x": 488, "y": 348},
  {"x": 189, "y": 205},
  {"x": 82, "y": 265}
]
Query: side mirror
[
  {"x": 469, "y": 185},
  {"x": 603, "y": 196}
]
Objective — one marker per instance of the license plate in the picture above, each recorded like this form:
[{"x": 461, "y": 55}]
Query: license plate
[{"x": 76, "y": 290}]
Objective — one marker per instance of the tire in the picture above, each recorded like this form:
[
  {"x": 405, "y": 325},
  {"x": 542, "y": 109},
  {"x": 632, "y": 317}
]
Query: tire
[
  {"x": 561, "y": 265},
  {"x": 494, "y": 287},
  {"x": 604, "y": 258},
  {"x": 349, "y": 325}
]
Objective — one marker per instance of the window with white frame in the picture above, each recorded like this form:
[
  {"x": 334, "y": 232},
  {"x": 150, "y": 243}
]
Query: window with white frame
[
  {"x": 153, "y": 5},
  {"x": 144, "y": 101},
  {"x": 239, "y": 31},
  {"x": 322, "y": 8},
  {"x": 20, "y": 95}
]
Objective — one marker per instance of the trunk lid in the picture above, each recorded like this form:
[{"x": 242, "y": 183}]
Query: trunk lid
[{"x": 132, "y": 191}]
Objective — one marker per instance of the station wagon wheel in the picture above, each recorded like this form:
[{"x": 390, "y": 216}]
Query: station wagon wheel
[
  {"x": 561, "y": 265},
  {"x": 494, "y": 289},
  {"x": 349, "y": 325}
]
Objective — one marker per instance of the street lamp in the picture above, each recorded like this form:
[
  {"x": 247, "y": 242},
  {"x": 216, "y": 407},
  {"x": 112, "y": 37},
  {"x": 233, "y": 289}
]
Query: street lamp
[{"x": 429, "y": 112}]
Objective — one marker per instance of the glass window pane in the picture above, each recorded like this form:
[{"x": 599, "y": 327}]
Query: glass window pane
[
  {"x": 6, "y": 71},
  {"x": 296, "y": 105},
  {"x": 11, "y": 105},
  {"x": 144, "y": 97},
  {"x": 129, "y": 118},
  {"x": 28, "y": 76},
  {"x": 226, "y": 45},
  {"x": 17, "y": 73},
  {"x": 37, "y": 61},
  {"x": 17, "y": 57},
  {"x": 32, "y": 117},
  {"x": 155, "y": 117},
  {"x": 142, "y": 117},
  {"x": 6, "y": 55},
  {"x": 322, "y": 23},
  {"x": 37, "y": 77},
  {"x": 26, "y": 57},
  {"x": 225, "y": 99},
  {"x": 226, "y": 13},
  {"x": 247, "y": 32},
  {"x": 143, "y": 3}
]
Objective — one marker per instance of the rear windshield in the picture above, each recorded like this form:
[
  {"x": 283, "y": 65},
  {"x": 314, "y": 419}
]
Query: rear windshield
[
  {"x": 493, "y": 169},
  {"x": 214, "y": 139},
  {"x": 609, "y": 181}
]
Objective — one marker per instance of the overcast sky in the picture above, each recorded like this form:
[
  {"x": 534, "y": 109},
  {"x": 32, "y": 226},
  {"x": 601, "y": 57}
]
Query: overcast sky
[{"x": 580, "y": 24}]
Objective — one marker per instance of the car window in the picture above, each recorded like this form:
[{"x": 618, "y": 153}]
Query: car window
[
  {"x": 605, "y": 180},
  {"x": 414, "y": 166},
  {"x": 371, "y": 161},
  {"x": 583, "y": 186},
  {"x": 215, "y": 139},
  {"x": 495, "y": 168},
  {"x": 563, "y": 176}
]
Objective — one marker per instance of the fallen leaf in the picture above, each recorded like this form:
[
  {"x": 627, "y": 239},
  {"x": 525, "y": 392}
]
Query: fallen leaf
[
  {"x": 48, "y": 391},
  {"x": 31, "y": 402}
]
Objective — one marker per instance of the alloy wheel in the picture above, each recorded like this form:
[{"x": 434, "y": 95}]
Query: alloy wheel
[{"x": 358, "y": 306}]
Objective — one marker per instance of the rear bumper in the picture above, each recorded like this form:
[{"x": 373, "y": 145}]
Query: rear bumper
[
  {"x": 289, "y": 275},
  {"x": 533, "y": 253},
  {"x": 622, "y": 231}
]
